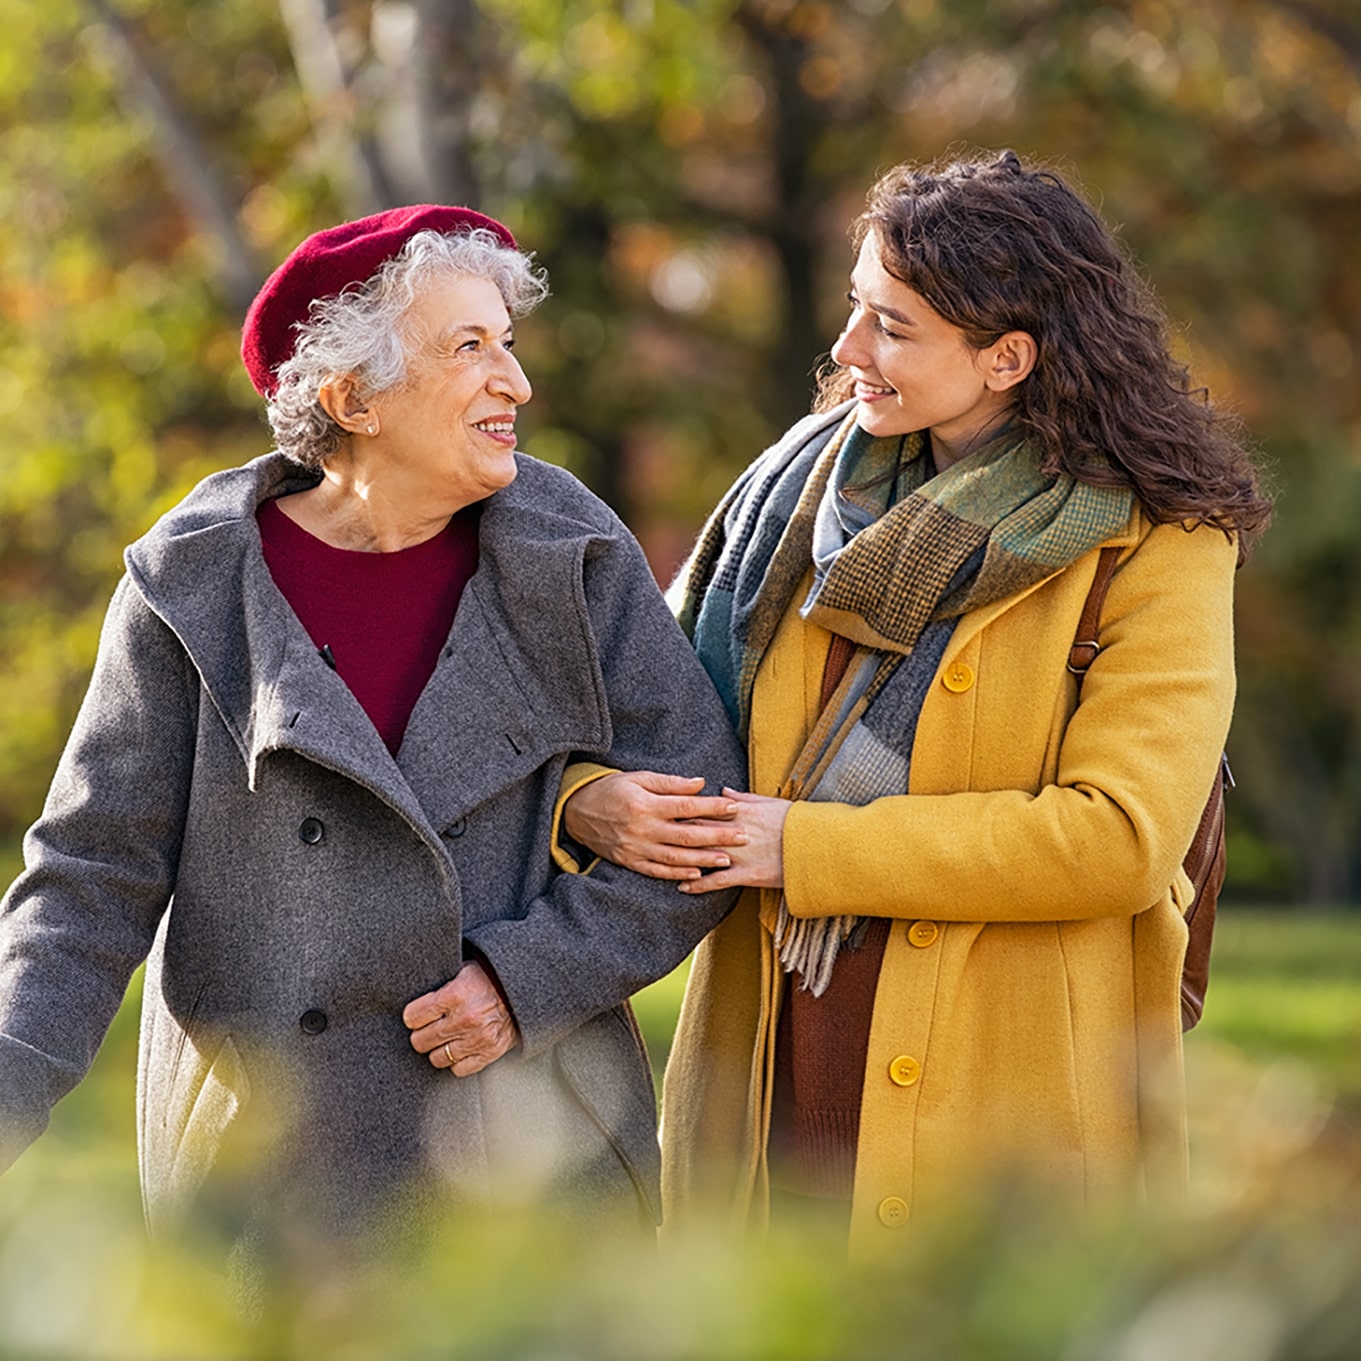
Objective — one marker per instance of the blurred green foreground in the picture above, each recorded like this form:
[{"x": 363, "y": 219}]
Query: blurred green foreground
[{"x": 1263, "y": 1262}]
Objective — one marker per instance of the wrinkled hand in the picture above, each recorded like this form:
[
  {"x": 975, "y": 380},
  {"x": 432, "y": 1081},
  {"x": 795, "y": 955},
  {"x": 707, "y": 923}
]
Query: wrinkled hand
[
  {"x": 759, "y": 860},
  {"x": 469, "y": 1015},
  {"x": 658, "y": 825}
]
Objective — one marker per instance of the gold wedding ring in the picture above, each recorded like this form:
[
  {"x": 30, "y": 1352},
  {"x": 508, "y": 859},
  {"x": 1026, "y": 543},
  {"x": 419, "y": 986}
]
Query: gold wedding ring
[{"x": 448, "y": 1054}]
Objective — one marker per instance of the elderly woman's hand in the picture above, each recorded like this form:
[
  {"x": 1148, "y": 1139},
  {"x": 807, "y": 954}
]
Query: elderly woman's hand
[
  {"x": 463, "y": 1026},
  {"x": 655, "y": 824}
]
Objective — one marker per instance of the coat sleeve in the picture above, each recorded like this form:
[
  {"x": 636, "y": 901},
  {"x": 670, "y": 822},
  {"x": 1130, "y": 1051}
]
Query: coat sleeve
[
  {"x": 100, "y": 867},
  {"x": 566, "y": 854},
  {"x": 1135, "y": 764},
  {"x": 592, "y": 940}
]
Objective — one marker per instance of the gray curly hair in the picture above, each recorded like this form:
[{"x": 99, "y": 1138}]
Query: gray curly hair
[{"x": 359, "y": 331}]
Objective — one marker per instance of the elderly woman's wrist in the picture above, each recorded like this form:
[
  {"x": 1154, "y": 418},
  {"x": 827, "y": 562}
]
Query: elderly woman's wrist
[
  {"x": 472, "y": 955},
  {"x": 571, "y": 851}
]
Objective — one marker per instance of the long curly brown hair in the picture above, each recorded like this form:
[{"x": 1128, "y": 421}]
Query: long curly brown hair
[{"x": 996, "y": 246}]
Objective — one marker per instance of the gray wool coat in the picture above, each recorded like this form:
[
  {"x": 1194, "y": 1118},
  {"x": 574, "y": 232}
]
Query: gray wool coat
[{"x": 225, "y": 809}]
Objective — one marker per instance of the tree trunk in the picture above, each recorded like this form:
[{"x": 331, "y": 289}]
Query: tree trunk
[
  {"x": 190, "y": 169},
  {"x": 792, "y": 227},
  {"x": 452, "y": 56},
  {"x": 347, "y": 147}
]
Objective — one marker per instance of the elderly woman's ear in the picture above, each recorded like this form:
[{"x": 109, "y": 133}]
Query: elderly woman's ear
[{"x": 339, "y": 397}]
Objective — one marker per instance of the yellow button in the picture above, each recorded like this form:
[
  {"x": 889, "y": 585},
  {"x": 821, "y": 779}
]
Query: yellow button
[
  {"x": 957, "y": 678},
  {"x": 922, "y": 934},
  {"x": 893, "y": 1212},
  {"x": 904, "y": 1070}
]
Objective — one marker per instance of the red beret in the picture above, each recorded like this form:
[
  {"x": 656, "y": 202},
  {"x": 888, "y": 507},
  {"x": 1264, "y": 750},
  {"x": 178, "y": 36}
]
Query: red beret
[{"x": 328, "y": 262}]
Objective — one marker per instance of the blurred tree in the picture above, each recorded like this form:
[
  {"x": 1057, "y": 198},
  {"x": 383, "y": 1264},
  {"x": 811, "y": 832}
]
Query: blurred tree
[{"x": 686, "y": 169}]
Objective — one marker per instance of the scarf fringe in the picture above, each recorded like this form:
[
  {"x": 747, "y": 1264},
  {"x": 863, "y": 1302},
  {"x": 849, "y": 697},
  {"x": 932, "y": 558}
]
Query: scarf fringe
[{"x": 808, "y": 946}]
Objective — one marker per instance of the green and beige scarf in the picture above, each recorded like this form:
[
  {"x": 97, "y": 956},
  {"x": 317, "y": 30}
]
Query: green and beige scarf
[{"x": 899, "y": 554}]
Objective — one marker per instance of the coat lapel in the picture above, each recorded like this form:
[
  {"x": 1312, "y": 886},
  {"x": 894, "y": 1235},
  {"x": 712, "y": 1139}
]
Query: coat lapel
[
  {"x": 975, "y": 621},
  {"x": 201, "y": 570},
  {"x": 519, "y": 681}
]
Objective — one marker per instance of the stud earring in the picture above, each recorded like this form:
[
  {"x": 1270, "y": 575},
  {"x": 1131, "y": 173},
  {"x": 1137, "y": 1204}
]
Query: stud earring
[{"x": 371, "y": 428}]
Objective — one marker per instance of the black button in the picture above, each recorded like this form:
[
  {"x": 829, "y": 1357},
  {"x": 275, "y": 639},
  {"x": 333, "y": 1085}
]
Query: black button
[
  {"x": 457, "y": 827},
  {"x": 313, "y": 1022},
  {"x": 311, "y": 831}
]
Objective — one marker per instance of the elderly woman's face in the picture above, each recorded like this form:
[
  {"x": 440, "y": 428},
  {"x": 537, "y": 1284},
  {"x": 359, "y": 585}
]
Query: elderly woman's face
[{"x": 450, "y": 427}]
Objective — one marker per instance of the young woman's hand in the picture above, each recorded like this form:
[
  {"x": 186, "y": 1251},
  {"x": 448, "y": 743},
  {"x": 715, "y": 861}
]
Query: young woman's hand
[
  {"x": 659, "y": 825},
  {"x": 758, "y": 859}
]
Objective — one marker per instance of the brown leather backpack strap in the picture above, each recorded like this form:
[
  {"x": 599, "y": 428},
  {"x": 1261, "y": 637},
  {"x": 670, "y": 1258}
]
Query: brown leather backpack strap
[
  {"x": 1205, "y": 864},
  {"x": 1086, "y": 641}
]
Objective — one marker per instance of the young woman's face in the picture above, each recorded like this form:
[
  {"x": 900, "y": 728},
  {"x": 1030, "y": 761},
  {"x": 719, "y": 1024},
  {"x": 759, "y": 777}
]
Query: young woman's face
[{"x": 913, "y": 370}]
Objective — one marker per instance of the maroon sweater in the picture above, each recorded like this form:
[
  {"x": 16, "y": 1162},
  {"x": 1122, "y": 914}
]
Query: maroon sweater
[{"x": 379, "y": 618}]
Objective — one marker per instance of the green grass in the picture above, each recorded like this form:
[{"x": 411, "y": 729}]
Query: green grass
[
  {"x": 1287, "y": 986},
  {"x": 657, "y": 1008}
]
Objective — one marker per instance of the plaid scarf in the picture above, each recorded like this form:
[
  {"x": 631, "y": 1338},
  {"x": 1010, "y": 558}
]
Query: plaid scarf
[{"x": 899, "y": 554}]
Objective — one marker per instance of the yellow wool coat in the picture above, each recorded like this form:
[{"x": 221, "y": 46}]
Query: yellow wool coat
[{"x": 1027, "y": 1016}]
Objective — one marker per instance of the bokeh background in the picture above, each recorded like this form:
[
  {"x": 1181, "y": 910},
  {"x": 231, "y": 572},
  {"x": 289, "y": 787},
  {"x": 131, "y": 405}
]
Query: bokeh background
[{"x": 686, "y": 170}]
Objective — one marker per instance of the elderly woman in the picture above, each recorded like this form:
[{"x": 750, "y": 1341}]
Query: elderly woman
[
  {"x": 959, "y": 954},
  {"x": 313, "y": 784}
]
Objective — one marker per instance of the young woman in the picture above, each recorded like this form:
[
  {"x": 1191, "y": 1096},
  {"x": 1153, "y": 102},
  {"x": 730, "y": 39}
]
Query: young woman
[{"x": 958, "y": 952}]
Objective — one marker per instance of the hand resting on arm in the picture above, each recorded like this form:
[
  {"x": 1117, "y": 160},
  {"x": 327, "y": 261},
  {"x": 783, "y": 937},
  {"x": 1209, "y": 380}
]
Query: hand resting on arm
[{"x": 661, "y": 826}]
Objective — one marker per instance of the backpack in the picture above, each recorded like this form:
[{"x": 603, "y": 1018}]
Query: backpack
[{"x": 1205, "y": 860}]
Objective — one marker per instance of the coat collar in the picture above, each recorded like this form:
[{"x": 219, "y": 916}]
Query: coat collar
[
  {"x": 497, "y": 703},
  {"x": 976, "y": 620}
]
